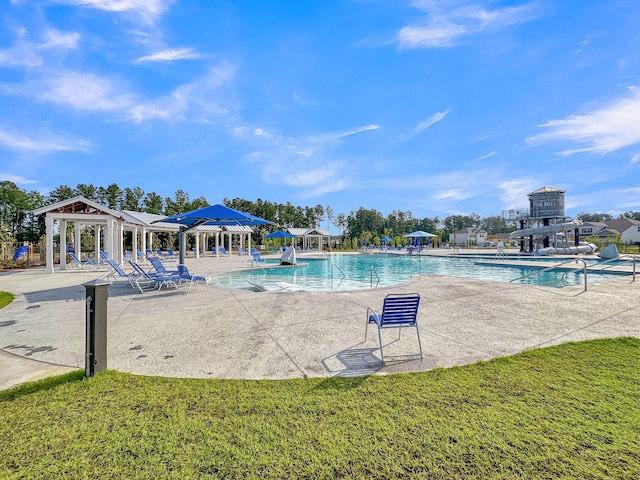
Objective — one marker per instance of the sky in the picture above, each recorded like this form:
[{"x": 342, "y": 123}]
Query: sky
[{"x": 434, "y": 107}]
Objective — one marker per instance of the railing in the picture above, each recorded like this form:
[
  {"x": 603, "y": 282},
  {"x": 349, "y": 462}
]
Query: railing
[
  {"x": 371, "y": 274},
  {"x": 556, "y": 266},
  {"x": 333, "y": 265},
  {"x": 256, "y": 264},
  {"x": 610, "y": 263}
]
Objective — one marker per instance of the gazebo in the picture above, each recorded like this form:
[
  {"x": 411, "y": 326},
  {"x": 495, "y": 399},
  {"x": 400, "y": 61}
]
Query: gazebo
[
  {"x": 308, "y": 234},
  {"x": 110, "y": 226}
]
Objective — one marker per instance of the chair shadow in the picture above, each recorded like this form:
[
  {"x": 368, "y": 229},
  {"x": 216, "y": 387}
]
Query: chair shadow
[{"x": 354, "y": 362}]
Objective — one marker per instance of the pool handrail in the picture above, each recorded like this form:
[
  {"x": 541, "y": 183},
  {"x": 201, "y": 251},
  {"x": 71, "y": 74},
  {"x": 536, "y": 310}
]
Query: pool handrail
[
  {"x": 611, "y": 264},
  {"x": 371, "y": 274},
  {"x": 576, "y": 260}
]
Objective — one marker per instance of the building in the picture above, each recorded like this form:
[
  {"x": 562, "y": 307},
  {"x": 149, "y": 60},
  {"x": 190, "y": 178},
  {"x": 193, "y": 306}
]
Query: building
[{"x": 470, "y": 236}]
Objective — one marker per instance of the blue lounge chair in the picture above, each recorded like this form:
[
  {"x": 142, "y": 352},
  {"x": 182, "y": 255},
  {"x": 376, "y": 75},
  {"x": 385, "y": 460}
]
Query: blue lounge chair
[
  {"x": 241, "y": 251},
  {"x": 117, "y": 272},
  {"x": 89, "y": 263},
  {"x": 398, "y": 311},
  {"x": 257, "y": 258},
  {"x": 160, "y": 268},
  {"x": 170, "y": 254},
  {"x": 185, "y": 277},
  {"x": 144, "y": 279},
  {"x": 76, "y": 262}
]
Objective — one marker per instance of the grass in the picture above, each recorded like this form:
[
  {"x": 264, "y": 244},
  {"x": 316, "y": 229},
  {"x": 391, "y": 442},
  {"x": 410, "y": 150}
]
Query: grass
[
  {"x": 5, "y": 299},
  {"x": 570, "y": 411}
]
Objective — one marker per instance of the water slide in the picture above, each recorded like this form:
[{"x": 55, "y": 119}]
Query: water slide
[{"x": 583, "y": 247}]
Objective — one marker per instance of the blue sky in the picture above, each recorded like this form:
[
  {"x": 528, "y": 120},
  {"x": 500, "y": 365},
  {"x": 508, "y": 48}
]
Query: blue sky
[{"x": 432, "y": 107}]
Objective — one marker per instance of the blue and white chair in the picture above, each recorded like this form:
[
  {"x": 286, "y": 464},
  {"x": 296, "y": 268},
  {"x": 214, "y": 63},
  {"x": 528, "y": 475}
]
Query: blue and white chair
[{"x": 398, "y": 311}]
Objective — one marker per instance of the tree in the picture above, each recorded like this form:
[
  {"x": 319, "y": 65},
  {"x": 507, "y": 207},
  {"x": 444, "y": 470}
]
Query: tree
[
  {"x": 110, "y": 196},
  {"x": 329, "y": 213},
  {"x": 631, "y": 215},
  {"x": 593, "y": 217},
  {"x": 340, "y": 222},
  {"x": 179, "y": 204},
  {"x": 88, "y": 191},
  {"x": 61, "y": 193},
  {"x": 318, "y": 214},
  {"x": 153, "y": 203},
  {"x": 132, "y": 199}
]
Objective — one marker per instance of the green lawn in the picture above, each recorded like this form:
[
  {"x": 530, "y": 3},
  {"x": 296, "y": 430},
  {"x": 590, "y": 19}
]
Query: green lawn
[
  {"x": 5, "y": 299},
  {"x": 571, "y": 411}
]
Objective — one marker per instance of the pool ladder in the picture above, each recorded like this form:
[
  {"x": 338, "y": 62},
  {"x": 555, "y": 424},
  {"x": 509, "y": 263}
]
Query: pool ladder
[
  {"x": 555, "y": 266},
  {"x": 372, "y": 273},
  {"x": 585, "y": 268}
]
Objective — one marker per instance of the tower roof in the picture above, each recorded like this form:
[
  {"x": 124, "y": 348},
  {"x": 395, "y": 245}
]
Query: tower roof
[{"x": 547, "y": 189}]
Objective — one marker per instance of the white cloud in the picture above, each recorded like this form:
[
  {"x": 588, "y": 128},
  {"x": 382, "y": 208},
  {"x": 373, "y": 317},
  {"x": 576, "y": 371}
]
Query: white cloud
[
  {"x": 327, "y": 137},
  {"x": 259, "y": 132},
  {"x": 605, "y": 130},
  {"x": 514, "y": 192},
  {"x": 447, "y": 22},
  {"x": 171, "y": 55},
  {"x": 46, "y": 144},
  {"x": 635, "y": 159},
  {"x": 190, "y": 100},
  {"x": 18, "y": 180},
  {"x": 422, "y": 126},
  {"x": 147, "y": 10},
  {"x": 25, "y": 53},
  {"x": 82, "y": 91}
]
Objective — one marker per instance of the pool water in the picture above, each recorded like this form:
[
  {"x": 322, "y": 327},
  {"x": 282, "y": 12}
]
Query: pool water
[{"x": 355, "y": 272}]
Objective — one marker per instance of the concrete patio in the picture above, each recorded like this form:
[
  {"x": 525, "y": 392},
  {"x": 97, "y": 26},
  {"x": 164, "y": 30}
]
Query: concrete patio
[{"x": 225, "y": 333}]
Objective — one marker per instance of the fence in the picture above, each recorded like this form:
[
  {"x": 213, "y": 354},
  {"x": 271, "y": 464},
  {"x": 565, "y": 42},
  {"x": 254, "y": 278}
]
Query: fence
[{"x": 23, "y": 255}]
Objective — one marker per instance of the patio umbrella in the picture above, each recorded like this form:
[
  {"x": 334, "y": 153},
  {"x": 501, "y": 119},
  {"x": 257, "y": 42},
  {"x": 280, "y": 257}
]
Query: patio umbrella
[
  {"x": 418, "y": 234},
  {"x": 281, "y": 234},
  {"x": 220, "y": 215}
]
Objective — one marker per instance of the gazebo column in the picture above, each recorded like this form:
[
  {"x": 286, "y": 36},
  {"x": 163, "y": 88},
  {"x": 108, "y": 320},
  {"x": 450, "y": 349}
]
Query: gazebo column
[
  {"x": 63, "y": 244},
  {"x": 97, "y": 229},
  {"x": 217, "y": 244},
  {"x": 77, "y": 228},
  {"x": 118, "y": 254},
  {"x": 143, "y": 240},
  {"x": 197, "y": 244},
  {"x": 109, "y": 234},
  {"x": 49, "y": 244},
  {"x": 134, "y": 244}
]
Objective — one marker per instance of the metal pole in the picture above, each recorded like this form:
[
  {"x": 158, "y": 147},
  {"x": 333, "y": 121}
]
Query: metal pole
[{"x": 96, "y": 326}]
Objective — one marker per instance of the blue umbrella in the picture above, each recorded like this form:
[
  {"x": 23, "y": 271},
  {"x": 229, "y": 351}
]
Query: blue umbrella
[
  {"x": 281, "y": 234},
  {"x": 220, "y": 215}
]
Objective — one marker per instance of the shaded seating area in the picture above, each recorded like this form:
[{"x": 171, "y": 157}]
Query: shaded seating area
[{"x": 398, "y": 311}]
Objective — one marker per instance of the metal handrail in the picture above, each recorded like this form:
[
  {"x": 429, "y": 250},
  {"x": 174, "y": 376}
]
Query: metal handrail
[
  {"x": 611, "y": 264},
  {"x": 371, "y": 273},
  {"x": 555, "y": 266},
  {"x": 339, "y": 269},
  {"x": 256, "y": 264}
]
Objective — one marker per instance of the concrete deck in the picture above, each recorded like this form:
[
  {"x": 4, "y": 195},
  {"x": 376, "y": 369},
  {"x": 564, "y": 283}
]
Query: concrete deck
[{"x": 263, "y": 335}]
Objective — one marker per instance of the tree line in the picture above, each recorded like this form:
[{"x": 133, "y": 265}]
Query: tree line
[{"x": 360, "y": 226}]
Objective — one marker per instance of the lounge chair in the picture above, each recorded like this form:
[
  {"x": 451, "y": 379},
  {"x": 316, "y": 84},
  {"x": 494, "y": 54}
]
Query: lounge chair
[
  {"x": 272, "y": 250},
  {"x": 241, "y": 251},
  {"x": 160, "y": 268},
  {"x": 89, "y": 263},
  {"x": 185, "y": 276},
  {"x": 170, "y": 254},
  {"x": 257, "y": 258},
  {"x": 76, "y": 262},
  {"x": 144, "y": 279},
  {"x": 398, "y": 311},
  {"x": 117, "y": 272}
]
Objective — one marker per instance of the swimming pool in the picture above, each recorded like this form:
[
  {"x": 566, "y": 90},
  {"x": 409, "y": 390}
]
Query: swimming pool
[{"x": 360, "y": 271}]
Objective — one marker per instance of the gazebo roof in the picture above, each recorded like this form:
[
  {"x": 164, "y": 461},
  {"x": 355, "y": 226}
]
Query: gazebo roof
[{"x": 78, "y": 205}]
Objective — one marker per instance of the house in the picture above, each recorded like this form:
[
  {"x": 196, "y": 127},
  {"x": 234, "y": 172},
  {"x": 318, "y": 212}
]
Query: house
[
  {"x": 628, "y": 228},
  {"x": 591, "y": 229},
  {"x": 470, "y": 236}
]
